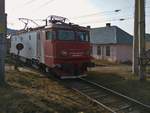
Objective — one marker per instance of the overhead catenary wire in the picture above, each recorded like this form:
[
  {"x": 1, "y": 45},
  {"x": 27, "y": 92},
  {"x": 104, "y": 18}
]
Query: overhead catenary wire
[
  {"x": 105, "y": 12},
  {"x": 116, "y": 11},
  {"x": 97, "y": 13},
  {"x": 29, "y": 2},
  {"x": 47, "y": 3},
  {"x": 111, "y": 20}
]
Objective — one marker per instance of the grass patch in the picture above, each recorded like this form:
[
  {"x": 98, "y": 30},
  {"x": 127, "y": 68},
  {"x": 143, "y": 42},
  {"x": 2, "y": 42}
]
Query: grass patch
[{"x": 27, "y": 92}]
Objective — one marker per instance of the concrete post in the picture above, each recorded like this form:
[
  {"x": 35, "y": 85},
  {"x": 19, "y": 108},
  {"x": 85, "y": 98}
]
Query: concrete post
[
  {"x": 141, "y": 31},
  {"x": 135, "y": 54}
]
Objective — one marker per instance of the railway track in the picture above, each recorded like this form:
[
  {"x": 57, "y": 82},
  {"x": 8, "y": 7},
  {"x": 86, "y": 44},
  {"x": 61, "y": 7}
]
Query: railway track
[{"x": 111, "y": 101}]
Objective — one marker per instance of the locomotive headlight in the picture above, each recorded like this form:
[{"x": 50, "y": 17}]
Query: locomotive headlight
[{"x": 64, "y": 53}]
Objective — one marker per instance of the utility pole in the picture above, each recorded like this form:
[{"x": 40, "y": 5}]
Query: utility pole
[
  {"x": 2, "y": 40},
  {"x": 141, "y": 34},
  {"x": 135, "y": 66}
]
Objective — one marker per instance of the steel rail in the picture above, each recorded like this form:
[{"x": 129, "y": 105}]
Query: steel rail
[
  {"x": 116, "y": 93},
  {"x": 95, "y": 101}
]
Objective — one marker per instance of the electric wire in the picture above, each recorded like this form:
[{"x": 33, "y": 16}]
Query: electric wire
[
  {"x": 30, "y": 2},
  {"x": 46, "y": 3}
]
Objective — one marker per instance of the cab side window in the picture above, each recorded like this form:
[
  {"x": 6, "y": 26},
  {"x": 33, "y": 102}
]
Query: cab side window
[{"x": 50, "y": 35}]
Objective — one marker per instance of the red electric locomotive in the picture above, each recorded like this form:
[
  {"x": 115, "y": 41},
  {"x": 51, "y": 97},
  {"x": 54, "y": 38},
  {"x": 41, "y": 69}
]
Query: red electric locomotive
[{"x": 63, "y": 48}]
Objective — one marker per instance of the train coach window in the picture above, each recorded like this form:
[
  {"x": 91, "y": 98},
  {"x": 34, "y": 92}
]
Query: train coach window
[
  {"x": 82, "y": 36},
  {"x": 66, "y": 35}
]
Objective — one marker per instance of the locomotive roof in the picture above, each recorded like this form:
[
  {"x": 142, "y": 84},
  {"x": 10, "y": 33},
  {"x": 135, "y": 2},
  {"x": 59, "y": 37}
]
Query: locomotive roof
[
  {"x": 55, "y": 25},
  {"x": 66, "y": 26}
]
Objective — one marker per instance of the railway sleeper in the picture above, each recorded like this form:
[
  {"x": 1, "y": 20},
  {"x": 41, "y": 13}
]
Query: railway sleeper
[
  {"x": 101, "y": 96},
  {"x": 88, "y": 90},
  {"x": 84, "y": 87},
  {"x": 93, "y": 94},
  {"x": 123, "y": 108}
]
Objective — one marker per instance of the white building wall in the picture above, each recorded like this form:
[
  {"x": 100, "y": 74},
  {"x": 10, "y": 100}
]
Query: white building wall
[
  {"x": 113, "y": 52},
  {"x": 124, "y": 53},
  {"x": 94, "y": 51},
  {"x": 118, "y": 53}
]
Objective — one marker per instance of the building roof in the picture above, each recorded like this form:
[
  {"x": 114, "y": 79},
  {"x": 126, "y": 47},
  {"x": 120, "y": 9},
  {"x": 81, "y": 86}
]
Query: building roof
[{"x": 110, "y": 35}]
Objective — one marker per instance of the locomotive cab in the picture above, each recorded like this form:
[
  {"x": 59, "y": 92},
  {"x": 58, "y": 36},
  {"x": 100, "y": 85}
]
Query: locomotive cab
[
  {"x": 63, "y": 48},
  {"x": 67, "y": 49}
]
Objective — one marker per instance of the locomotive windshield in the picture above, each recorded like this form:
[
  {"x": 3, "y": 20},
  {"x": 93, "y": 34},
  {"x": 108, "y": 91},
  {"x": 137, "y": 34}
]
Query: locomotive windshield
[
  {"x": 66, "y": 35},
  {"x": 73, "y": 35}
]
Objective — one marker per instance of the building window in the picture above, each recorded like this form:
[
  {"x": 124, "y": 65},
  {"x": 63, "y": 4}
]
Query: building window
[
  {"x": 99, "y": 52},
  {"x": 107, "y": 50}
]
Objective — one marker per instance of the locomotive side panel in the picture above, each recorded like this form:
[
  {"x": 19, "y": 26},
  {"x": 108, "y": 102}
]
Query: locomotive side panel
[
  {"x": 49, "y": 49},
  {"x": 29, "y": 40},
  {"x": 41, "y": 46}
]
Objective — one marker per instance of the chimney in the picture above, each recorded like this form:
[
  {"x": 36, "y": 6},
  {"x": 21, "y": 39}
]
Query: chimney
[{"x": 108, "y": 24}]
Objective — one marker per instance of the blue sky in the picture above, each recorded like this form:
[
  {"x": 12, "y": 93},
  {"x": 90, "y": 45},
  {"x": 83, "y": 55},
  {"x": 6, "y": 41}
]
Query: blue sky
[{"x": 83, "y": 12}]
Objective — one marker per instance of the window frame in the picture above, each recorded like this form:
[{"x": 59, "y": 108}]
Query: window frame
[
  {"x": 53, "y": 34},
  {"x": 99, "y": 50},
  {"x": 108, "y": 51}
]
